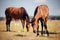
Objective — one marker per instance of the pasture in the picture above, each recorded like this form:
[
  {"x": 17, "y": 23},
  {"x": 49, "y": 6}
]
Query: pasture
[{"x": 17, "y": 32}]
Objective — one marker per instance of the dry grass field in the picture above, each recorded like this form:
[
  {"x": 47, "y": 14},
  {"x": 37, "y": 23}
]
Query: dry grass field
[{"x": 17, "y": 32}]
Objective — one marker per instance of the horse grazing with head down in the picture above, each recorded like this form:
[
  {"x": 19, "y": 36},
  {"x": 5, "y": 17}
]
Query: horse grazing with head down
[
  {"x": 41, "y": 13},
  {"x": 16, "y": 14}
]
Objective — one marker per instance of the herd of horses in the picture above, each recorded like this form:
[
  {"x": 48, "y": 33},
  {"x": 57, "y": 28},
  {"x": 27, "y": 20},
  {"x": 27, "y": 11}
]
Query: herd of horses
[{"x": 41, "y": 14}]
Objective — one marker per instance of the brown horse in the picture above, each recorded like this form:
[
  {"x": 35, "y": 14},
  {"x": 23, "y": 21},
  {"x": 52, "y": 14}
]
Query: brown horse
[
  {"x": 41, "y": 13},
  {"x": 16, "y": 13}
]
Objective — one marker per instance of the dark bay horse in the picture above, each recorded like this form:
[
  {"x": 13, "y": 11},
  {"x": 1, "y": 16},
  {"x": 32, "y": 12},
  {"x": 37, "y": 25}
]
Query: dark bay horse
[
  {"x": 16, "y": 14},
  {"x": 41, "y": 13}
]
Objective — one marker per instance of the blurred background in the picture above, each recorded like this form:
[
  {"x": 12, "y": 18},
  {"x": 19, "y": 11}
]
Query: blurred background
[{"x": 30, "y": 5}]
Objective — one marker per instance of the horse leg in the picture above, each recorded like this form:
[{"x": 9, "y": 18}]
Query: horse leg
[
  {"x": 23, "y": 23},
  {"x": 38, "y": 30},
  {"x": 45, "y": 25},
  {"x": 8, "y": 20},
  {"x": 41, "y": 26},
  {"x": 37, "y": 27}
]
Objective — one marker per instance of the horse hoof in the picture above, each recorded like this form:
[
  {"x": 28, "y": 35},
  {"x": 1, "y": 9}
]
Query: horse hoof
[
  {"x": 47, "y": 34},
  {"x": 41, "y": 34},
  {"x": 8, "y": 30},
  {"x": 37, "y": 34}
]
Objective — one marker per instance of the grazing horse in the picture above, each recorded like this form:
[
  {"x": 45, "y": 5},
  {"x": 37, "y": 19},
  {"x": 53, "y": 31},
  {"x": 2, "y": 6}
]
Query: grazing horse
[
  {"x": 16, "y": 14},
  {"x": 41, "y": 14}
]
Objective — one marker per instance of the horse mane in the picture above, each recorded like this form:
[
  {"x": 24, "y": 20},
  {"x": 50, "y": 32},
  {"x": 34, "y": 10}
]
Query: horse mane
[{"x": 35, "y": 11}]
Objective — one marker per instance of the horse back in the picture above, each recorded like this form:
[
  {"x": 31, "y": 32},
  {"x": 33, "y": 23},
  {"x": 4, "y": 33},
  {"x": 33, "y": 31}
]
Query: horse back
[
  {"x": 43, "y": 10},
  {"x": 16, "y": 13}
]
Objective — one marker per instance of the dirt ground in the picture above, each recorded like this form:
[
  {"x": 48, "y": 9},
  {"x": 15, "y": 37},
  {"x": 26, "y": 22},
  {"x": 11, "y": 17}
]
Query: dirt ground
[{"x": 17, "y": 32}]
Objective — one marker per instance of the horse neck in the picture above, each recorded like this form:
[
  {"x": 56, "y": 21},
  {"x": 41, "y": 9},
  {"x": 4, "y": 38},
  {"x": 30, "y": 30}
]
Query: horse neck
[{"x": 27, "y": 18}]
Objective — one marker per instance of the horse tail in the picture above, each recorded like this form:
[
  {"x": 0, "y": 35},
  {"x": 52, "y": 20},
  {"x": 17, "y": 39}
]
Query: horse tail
[
  {"x": 35, "y": 11},
  {"x": 6, "y": 12}
]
